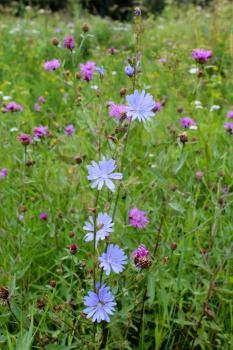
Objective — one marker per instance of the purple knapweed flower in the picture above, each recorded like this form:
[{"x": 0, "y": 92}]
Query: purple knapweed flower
[
  {"x": 112, "y": 50},
  {"x": 43, "y": 216},
  {"x": 87, "y": 70},
  {"x": 137, "y": 11},
  {"x": 129, "y": 70},
  {"x": 52, "y": 65},
  {"x": 104, "y": 226},
  {"x": 37, "y": 107},
  {"x": 199, "y": 175},
  {"x": 100, "y": 70},
  {"x": 229, "y": 127},
  {"x": 137, "y": 218},
  {"x": 186, "y": 122},
  {"x": 41, "y": 99},
  {"x": 230, "y": 114},
  {"x": 13, "y": 107},
  {"x": 141, "y": 257},
  {"x": 103, "y": 173},
  {"x": 140, "y": 106},
  {"x": 157, "y": 107},
  {"x": 40, "y": 132},
  {"x": 25, "y": 139},
  {"x": 201, "y": 56},
  {"x": 69, "y": 42},
  {"x": 116, "y": 111},
  {"x": 69, "y": 130},
  {"x": 3, "y": 173},
  {"x": 162, "y": 60},
  {"x": 73, "y": 249},
  {"x": 100, "y": 304},
  {"x": 114, "y": 259}
]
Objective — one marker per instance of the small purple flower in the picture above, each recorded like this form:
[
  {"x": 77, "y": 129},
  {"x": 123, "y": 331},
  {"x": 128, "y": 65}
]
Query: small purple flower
[
  {"x": 40, "y": 132},
  {"x": 141, "y": 257},
  {"x": 114, "y": 259},
  {"x": 199, "y": 175},
  {"x": 52, "y": 65},
  {"x": 201, "y": 56},
  {"x": 100, "y": 304},
  {"x": 103, "y": 173},
  {"x": 137, "y": 218},
  {"x": 69, "y": 130},
  {"x": 229, "y": 127},
  {"x": 104, "y": 226},
  {"x": 129, "y": 70},
  {"x": 41, "y": 99},
  {"x": 157, "y": 107},
  {"x": 37, "y": 107},
  {"x": 100, "y": 70},
  {"x": 162, "y": 60},
  {"x": 112, "y": 50},
  {"x": 14, "y": 107},
  {"x": 116, "y": 111},
  {"x": 87, "y": 70},
  {"x": 3, "y": 173},
  {"x": 230, "y": 114},
  {"x": 140, "y": 106},
  {"x": 186, "y": 122},
  {"x": 137, "y": 12},
  {"x": 25, "y": 139},
  {"x": 69, "y": 42},
  {"x": 73, "y": 249},
  {"x": 43, "y": 216}
]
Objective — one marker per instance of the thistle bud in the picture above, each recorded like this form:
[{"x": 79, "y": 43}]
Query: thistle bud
[
  {"x": 183, "y": 137},
  {"x": 73, "y": 249},
  {"x": 55, "y": 41},
  {"x": 4, "y": 294},
  {"x": 85, "y": 28}
]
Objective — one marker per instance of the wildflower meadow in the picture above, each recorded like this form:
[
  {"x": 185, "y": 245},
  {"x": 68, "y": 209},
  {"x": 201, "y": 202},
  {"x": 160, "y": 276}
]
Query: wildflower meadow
[{"x": 116, "y": 180}]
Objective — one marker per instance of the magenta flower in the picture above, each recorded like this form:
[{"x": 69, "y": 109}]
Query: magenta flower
[
  {"x": 230, "y": 114},
  {"x": 69, "y": 130},
  {"x": 87, "y": 70},
  {"x": 137, "y": 218},
  {"x": 199, "y": 175},
  {"x": 112, "y": 50},
  {"x": 25, "y": 139},
  {"x": 141, "y": 257},
  {"x": 3, "y": 173},
  {"x": 201, "y": 56},
  {"x": 73, "y": 249},
  {"x": 37, "y": 107},
  {"x": 186, "y": 122},
  {"x": 41, "y": 99},
  {"x": 40, "y": 132},
  {"x": 14, "y": 107},
  {"x": 229, "y": 127},
  {"x": 43, "y": 216},
  {"x": 116, "y": 111},
  {"x": 157, "y": 107},
  {"x": 52, "y": 65},
  {"x": 69, "y": 42}
]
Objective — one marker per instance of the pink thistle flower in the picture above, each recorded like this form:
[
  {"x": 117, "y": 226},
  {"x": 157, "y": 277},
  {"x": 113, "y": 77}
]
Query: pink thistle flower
[
  {"x": 229, "y": 127},
  {"x": 199, "y": 175},
  {"x": 137, "y": 218},
  {"x": 73, "y": 249},
  {"x": 37, "y": 107},
  {"x": 3, "y": 173},
  {"x": 43, "y": 216},
  {"x": 157, "y": 107},
  {"x": 116, "y": 111},
  {"x": 141, "y": 257},
  {"x": 14, "y": 107},
  {"x": 87, "y": 70},
  {"x": 186, "y": 122},
  {"x": 40, "y": 132},
  {"x": 112, "y": 50},
  {"x": 230, "y": 114},
  {"x": 69, "y": 42},
  {"x": 25, "y": 139},
  {"x": 52, "y": 65},
  {"x": 201, "y": 55},
  {"x": 41, "y": 99},
  {"x": 69, "y": 130}
]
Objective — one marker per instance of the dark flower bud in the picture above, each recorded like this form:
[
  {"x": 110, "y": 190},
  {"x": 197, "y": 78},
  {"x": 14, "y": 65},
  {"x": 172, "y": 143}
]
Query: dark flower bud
[
  {"x": 73, "y": 249},
  {"x": 85, "y": 28},
  {"x": 53, "y": 283},
  {"x": 183, "y": 137},
  {"x": 78, "y": 76},
  {"x": 71, "y": 234},
  {"x": 55, "y": 41},
  {"x": 78, "y": 160},
  {"x": 123, "y": 92},
  {"x": 4, "y": 293},
  {"x": 180, "y": 110},
  {"x": 174, "y": 188},
  {"x": 173, "y": 246},
  {"x": 40, "y": 303}
]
